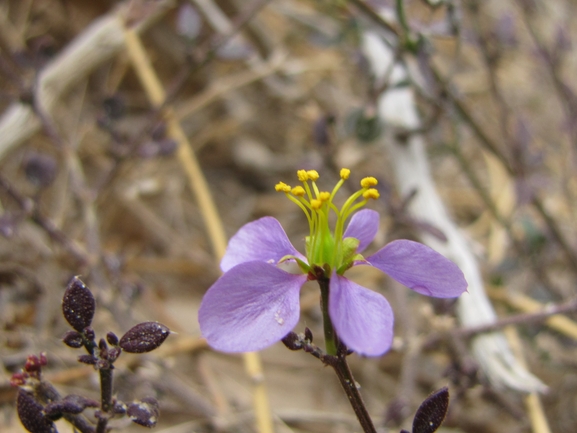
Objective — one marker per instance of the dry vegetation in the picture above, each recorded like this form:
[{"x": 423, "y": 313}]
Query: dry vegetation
[{"x": 97, "y": 182}]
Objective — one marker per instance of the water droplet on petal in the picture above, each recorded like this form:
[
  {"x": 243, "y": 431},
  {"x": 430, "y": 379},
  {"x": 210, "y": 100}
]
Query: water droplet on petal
[
  {"x": 278, "y": 319},
  {"x": 422, "y": 290}
]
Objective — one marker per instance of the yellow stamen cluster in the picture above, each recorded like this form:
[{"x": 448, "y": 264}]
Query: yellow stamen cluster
[
  {"x": 371, "y": 193},
  {"x": 326, "y": 247},
  {"x": 302, "y": 175},
  {"x": 299, "y": 191},
  {"x": 282, "y": 187},
  {"x": 316, "y": 204},
  {"x": 367, "y": 182}
]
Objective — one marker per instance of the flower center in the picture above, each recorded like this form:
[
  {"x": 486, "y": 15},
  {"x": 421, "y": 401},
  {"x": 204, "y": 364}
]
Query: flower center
[{"x": 323, "y": 245}]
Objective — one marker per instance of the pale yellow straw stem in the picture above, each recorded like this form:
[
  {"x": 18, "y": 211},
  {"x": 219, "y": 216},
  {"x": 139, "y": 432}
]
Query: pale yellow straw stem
[
  {"x": 198, "y": 184},
  {"x": 532, "y": 400}
]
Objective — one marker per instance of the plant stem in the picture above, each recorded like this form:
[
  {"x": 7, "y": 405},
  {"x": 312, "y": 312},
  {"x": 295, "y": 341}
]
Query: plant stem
[
  {"x": 330, "y": 335},
  {"x": 349, "y": 385},
  {"x": 336, "y": 357},
  {"x": 105, "y": 398}
]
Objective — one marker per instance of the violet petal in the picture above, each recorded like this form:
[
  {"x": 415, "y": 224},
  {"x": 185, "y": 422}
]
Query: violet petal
[
  {"x": 420, "y": 268},
  {"x": 250, "y": 307},
  {"x": 363, "y": 226},
  {"x": 362, "y": 319},
  {"x": 263, "y": 240}
]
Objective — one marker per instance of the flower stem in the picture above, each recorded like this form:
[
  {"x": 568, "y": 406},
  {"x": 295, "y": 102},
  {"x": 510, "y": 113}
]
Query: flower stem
[
  {"x": 336, "y": 357},
  {"x": 339, "y": 363},
  {"x": 349, "y": 385},
  {"x": 330, "y": 336}
]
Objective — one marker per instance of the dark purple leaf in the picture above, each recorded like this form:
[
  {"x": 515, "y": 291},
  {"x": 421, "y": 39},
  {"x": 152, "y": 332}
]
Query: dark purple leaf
[
  {"x": 89, "y": 333},
  {"x": 144, "y": 337},
  {"x": 145, "y": 412},
  {"x": 88, "y": 359},
  {"x": 78, "y": 305},
  {"x": 73, "y": 339},
  {"x": 31, "y": 415},
  {"x": 114, "y": 353},
  {"x": 112, "y": 339},
  {"x": 432, "y": 411},
  {"x": 71, "y": 404},
  {"x": 292, "y": 341}
]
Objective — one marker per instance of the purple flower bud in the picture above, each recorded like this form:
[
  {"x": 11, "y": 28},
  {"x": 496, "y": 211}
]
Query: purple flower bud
[
  {"x": 18, "y": 379},
  {"x": 33, "y": 364}
]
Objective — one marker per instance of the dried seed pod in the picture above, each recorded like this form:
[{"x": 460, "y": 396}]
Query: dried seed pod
[
  {"x": 78, "y": 305},
  {"x": 31, "y": 414},
  {"x": 144, "y": 337},
  {"x": 145, "y": 412},
  {"x": 73, "y": 339}
]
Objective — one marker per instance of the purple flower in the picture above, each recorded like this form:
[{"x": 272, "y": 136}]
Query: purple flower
[{"x": 255, "y": 303}]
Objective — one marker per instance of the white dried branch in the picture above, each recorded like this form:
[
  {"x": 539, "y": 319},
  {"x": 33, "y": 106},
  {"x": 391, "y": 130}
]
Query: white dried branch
[
  {"x": 102, "y": 40},
  {"x": 412, "y": 171}
]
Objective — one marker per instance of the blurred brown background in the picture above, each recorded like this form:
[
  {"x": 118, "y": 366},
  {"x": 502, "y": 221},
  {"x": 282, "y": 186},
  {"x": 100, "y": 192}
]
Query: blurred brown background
[{"x": 93, "y": 183}]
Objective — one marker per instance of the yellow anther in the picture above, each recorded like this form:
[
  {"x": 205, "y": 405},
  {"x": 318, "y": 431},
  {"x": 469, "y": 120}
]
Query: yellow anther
[
  {"x": 302, "y": 175},
  {"x": 371, "y": 193},
  {"x": 367, "y": 182},
  {"x": 324, "y": 196},
  {"x": 299, "y": 191},
  {"x": 282, "y": 187},
  {"x": 345, "y": 173},
  {"x": 313, "y": 175},
  {"x": 316, "y": 204}
]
